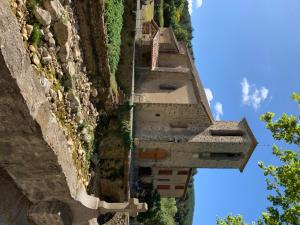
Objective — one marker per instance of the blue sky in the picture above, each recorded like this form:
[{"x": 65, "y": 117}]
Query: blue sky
[{"x": 248, "y": 55}]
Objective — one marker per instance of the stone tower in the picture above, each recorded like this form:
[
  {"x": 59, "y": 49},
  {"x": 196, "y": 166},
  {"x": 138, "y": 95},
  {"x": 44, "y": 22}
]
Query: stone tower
[{"x": 174, "y": 128}]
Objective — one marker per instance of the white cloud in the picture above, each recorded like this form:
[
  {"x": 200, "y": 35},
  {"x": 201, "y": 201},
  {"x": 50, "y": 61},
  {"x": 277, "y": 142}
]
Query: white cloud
[
  {"x": 253, "y": 96},
  {"x": 190, "y": 2},
  {"x": 199, "y": 3},
  {"x": 245, "y": 90},
  {"x": 209, "y": 95},
  {"x": 264, "y": 93},
  {"x": 218, "y": 110}
]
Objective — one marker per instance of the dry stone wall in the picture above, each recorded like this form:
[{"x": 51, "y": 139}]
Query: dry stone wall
[
  {"x": 47, "y": 117},
  {"x": 50, "y": 35}
]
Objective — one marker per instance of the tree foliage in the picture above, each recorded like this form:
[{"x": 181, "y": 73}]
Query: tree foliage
[
  {"x": 113, "y": 15},
  {"x": 186, "y": 204},
  {"x": 175, "y": 14},
  {"x": 163, "y": 213},
  {"x": 283, "y": 181},
  {"x": 232, "y": 220}
]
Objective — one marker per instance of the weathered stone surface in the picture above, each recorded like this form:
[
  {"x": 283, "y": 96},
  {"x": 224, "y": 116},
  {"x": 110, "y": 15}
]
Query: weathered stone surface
[
  {"x": 64, "y": 52},
  {"x": 51, "y": 42},
  {"x": 48, "y": 35},
  {"x": 133, "y": 207},
  {"x": 35, "y": 59},
  {"x": 74, "y": 102},
  {"x": 32, "y": 48},
  {"x": 13, "y": 204},
  {"x": 29, "y": 29},
  {"x": 62, "y": 32},
  {"x": 92, "y": 35},
  {"x": 46, "y": 84},
  {"x": 69, "y": 68},
  {"x": 76, "y": 53},
  {"x": 94, "y": 92},
  {"x": 42, "y": 16},
  {"x": 50, "y": 213},
  {"x": 55, "y": 8},
  {"x": 46, "y": 59},
  {"x": 60, "y": 95},
  {"x": 33, "y": 146}
]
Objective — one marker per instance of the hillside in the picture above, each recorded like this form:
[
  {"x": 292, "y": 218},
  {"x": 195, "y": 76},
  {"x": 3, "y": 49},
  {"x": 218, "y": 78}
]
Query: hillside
[{"x": 175, "y": 14}]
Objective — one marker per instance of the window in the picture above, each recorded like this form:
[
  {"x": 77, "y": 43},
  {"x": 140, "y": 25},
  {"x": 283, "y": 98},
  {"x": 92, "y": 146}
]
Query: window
[
  {"x": 178, "y": 125},
  {"x": 145, "y": 171},
  {"x": 163, "y": 179},
  {"x": 182, "y": 172},
  {"x": 157, "y": 115},
  {"x": 152, "y": 154},
  {"x": 167, "y": 87},
  {"x": 220, "y": 155},
  {"x": 230, "y": 133},
  {"x": 179, "y": 187},
  {"x": 163, "y": 187},
  {"x": 165, "y": 172}
]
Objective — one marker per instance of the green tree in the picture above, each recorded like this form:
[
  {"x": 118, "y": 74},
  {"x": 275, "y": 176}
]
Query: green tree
[
  {"x": 282, "y": 180},
  {"x": 232, "y": 220},
  {"x": 166, "y": 213}
]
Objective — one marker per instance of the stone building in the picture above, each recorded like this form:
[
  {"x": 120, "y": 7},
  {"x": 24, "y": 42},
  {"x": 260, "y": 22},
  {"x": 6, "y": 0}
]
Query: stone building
[{"x": 174, "y": 127}]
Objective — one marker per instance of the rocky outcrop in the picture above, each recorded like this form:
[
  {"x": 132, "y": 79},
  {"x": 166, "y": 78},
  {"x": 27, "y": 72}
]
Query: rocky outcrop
[
  {"x": 42, "y": 16},
  {"x": 55, "y": 8},
  {"x": 35, "y": 149},
  {"x": 50, "y": 104},
  {"x": 52, "y": 42}
]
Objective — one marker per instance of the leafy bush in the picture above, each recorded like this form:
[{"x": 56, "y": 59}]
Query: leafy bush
[
  {"x": 175, "y": 14},
  {"x": 113, "y": 16}
]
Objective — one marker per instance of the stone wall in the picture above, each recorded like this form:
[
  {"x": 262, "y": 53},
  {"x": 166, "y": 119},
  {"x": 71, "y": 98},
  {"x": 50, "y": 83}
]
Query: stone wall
[
  {"x": 50, "y": 37},
  {"x": 45, "y": 123},
  {"x": 172, "y": 60},
  {"x": 171, "y": 123},
  {"x": 13, "y": 204}
]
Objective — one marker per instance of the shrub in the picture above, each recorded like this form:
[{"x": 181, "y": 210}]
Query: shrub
[
  {"x": 113, "y": 16},
  {"x": 36, "y": 35},
  {"x": 125, "y": 132}
]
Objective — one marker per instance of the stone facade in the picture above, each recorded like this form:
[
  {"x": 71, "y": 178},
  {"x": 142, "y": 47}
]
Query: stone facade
[{"x": 174, "y": 128}]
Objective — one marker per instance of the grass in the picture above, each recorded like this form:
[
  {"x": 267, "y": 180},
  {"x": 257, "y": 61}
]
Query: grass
[
  {"x": 113, "y": 16},
  {"x": 32, "y": 4},
  {"x": 36, "y": 35}
]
